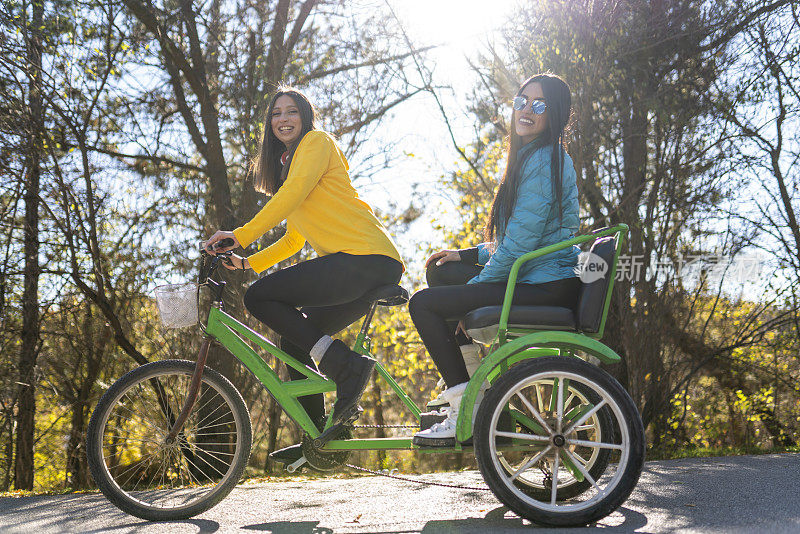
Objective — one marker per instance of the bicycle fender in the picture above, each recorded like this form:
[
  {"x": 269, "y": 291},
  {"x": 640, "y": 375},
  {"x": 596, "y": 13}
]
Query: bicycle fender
[{"x": 544, "y": 340}]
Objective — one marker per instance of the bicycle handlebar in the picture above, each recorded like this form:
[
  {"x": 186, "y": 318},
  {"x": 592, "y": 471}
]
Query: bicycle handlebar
[{"x": 224, "y": 243}]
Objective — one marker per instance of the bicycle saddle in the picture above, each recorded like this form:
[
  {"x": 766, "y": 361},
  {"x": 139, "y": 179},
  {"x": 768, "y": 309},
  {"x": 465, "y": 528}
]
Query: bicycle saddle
[{"x": 390, "y": 295}]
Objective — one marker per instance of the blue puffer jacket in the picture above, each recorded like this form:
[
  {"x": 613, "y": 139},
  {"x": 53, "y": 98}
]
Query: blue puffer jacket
[{"x": 534, "y": 224}]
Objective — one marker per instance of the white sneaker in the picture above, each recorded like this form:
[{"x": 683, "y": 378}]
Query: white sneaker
[
  {"x": 439, "y": 401},
  {"x": 444, "y": 433},
  {"x": 472, "y": 355}
]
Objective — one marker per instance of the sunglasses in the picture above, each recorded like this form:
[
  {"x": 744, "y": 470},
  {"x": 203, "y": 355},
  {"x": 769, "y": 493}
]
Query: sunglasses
[{"x": 537, "y": 106}]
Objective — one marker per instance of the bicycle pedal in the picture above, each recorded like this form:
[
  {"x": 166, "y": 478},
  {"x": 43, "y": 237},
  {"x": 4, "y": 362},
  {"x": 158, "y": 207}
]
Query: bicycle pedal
[
  {"x": 433, "y": 443},
  {"x": 291, "y": 468},
  {"x": 331, "y": 433}
]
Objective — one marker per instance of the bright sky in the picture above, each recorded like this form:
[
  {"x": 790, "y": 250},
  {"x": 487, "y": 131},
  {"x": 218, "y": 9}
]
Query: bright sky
[
  {"x": 452, "y": 22},
  {"x": 425, "y": 150}
]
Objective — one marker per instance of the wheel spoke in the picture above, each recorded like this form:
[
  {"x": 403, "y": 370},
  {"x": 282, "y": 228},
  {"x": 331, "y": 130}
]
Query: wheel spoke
[
  {"x": 596, "y": 444},
  {"x": 585, "y": 416},
  {"x": 134, "y": 465},
  {"x": 530, "y": 462},
  {"x": 554, "y": 489},
  {"x": 214, "y": 422},
  {"x": 188, "y": 470},
  {"x": 560, "y": 406},
  {"x": 209, "y": 452},
  {"x": 580, "y": 458},
  {"x": 535, "y": 413},
  {"x": 200, "y": 457},
  {"x": 580, "y": 465},
  {"x": 150, "y": 441},
  {"x": 569, "y": 400},
  {"x": 212, "y": 412},
  {"x": 150, "y": 458},
  {"x": 199, "y": 468},
  {"x": 143, "y": 420},
  {"x": 539, "y": 401},
  {"x": 531, "y": 437},
  {"x": 145, "y": 402}
]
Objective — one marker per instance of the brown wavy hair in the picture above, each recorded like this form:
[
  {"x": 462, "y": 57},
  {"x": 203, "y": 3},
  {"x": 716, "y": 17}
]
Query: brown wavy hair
[
  {"x": 558, "y": 99},
  {"x": 268, "y": 173}
]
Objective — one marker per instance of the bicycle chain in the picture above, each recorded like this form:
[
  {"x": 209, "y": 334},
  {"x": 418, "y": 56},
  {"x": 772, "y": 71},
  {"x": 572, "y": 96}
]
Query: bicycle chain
[
  {"x": 423, "y": 482},
  {"x": 385, "y": 426}
]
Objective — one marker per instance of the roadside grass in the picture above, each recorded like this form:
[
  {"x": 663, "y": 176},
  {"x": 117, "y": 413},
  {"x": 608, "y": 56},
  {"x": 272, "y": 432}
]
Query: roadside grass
[{"x": 707, "y": 452}]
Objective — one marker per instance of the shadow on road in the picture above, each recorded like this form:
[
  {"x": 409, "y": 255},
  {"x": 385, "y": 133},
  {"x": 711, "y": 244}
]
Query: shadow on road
[
  {"x": 203, "y": 526},
  {"x": 495, "y": 521},
  {"x": 290, "y": 527},
  {"x": 80, "y": 509}
]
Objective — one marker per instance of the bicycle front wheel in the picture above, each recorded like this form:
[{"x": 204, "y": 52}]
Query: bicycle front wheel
[{"x": 142, "y": 473}]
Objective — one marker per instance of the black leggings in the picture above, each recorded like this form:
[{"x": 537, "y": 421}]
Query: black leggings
[
  {"x": 329, "y": 291},
  {"x": 436, "y": 310}
]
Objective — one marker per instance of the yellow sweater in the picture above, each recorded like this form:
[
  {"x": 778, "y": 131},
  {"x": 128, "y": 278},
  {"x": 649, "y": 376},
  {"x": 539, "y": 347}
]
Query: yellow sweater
[{"x": 320, "y": 206}]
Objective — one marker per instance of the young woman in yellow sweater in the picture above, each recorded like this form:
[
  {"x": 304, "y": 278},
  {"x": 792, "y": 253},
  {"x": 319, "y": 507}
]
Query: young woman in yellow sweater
[{"x": 305, "y": 172}]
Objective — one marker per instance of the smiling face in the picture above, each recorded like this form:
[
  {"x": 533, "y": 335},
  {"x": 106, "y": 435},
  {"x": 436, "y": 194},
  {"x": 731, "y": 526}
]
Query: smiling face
[
  {"x": 285, "y": 120},
  {"x": 527, "y": 124}
]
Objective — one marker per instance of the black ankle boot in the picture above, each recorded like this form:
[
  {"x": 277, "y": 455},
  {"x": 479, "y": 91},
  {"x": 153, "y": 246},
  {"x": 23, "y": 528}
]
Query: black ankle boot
[
  {"x": 351, "y": 373},
  {"x": 292, "y": 453}
]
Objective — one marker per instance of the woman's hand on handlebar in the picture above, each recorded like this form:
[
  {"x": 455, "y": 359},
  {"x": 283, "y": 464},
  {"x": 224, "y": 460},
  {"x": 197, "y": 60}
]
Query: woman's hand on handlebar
[
  {"x": 235, "y": 262},
  {"x": 218, "y": 236},
  {"x": 443, "y": 256}
]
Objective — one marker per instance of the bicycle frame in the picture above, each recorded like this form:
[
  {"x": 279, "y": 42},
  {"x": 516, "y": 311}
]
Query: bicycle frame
[{"x": 232, "y": 335}]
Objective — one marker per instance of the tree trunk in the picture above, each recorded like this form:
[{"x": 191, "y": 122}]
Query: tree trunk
[
  {"x": 273, "y": 425},
  {"x": 26, "y": 403},
  {"x": 9, "y": 452},
  {"x": 77, "y": 468}
]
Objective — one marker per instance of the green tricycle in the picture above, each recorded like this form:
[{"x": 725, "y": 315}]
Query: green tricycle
[{"x": 557, "y": 439}]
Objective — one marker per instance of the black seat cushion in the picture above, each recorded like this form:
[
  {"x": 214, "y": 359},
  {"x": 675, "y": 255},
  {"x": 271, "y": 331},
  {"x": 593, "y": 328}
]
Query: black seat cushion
[
  {"x": 538, "y": 317},
  {"x": 392, "y": 295},
  {"x": 592, "y": 295},
  {"x": 482, "y": 323}
]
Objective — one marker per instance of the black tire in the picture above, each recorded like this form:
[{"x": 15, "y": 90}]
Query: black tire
[
  {"x": 597, "y": 461},
  {"x": 626, "y": 443},
  {"x": 143, "y": 475}
]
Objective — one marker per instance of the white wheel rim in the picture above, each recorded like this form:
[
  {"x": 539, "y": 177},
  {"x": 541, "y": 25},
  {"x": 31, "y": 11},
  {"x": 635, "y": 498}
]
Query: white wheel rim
[
  {"x": 592, "y": 426},
  {"x": 599, "y": 489}
]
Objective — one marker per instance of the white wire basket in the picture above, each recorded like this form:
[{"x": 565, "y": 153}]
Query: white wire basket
[{"x": 177, "y": 305}]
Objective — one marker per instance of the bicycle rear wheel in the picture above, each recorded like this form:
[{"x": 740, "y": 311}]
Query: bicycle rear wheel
[
  {"x": 144, "y": 475},
  {"x": 598, "y": 428},
  {"x": 557, "y": 447}
]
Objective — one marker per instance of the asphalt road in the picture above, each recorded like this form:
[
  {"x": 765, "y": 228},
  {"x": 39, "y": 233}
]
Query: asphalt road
[{"x": 732, "y": 494}]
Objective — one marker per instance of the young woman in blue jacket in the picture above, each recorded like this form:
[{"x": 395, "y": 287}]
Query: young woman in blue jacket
[{"x": 536, "y": 205}]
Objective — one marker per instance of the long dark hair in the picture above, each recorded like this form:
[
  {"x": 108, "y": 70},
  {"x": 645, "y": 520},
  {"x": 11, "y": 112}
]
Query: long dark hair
[
  {"x": 268, "y": 174},
  {"x": 559, "y": 104}
]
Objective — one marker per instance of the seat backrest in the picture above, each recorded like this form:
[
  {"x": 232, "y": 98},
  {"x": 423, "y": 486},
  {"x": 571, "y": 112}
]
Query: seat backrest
[{"x": 596, "y": 278}]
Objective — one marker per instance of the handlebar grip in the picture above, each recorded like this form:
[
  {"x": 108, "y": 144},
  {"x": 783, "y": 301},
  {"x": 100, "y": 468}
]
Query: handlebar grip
[{"x": 224, "y": 243}]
